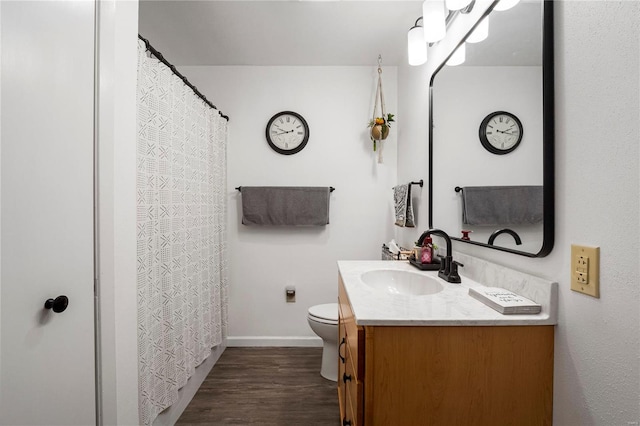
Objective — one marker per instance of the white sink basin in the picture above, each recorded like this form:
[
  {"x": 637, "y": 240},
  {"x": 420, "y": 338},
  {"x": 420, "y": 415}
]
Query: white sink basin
[{"x": 401, "y": 282}]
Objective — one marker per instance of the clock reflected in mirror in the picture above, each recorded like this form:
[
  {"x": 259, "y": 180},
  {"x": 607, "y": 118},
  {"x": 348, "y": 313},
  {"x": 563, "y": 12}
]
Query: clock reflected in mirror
[
  {"x": 500, "y": 132},
  {"x": 287, "y": 132}
]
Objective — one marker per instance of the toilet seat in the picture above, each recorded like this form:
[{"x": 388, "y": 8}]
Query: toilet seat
[{"x": 326, "y": 314}]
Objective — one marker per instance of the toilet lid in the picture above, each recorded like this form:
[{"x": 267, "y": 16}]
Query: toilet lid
[{"x": 328, "y": 311}]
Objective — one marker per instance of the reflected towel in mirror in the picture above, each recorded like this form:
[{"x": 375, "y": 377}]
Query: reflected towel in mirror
[{"x": 502, "y": 205}]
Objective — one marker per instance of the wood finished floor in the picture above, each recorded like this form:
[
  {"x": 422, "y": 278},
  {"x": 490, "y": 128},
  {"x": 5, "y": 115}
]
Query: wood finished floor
[{"x": 265, "y": 386}]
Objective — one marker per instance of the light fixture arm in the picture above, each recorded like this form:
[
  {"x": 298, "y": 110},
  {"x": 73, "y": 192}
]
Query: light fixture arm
[{"x": 468, "y": 8}]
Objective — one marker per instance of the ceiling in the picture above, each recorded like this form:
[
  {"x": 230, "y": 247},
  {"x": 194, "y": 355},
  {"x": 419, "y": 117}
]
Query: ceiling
[
  {"x": 316, "y": 33},
  {"x": 279, "y": 32}
]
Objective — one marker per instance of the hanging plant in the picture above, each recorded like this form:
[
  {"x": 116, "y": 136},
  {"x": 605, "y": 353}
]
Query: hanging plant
[
  {"x": 380, "y": 128},
  {"x": 381, "y": 121}
]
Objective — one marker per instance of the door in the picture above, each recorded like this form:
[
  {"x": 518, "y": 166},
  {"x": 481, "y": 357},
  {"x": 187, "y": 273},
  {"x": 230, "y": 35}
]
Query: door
[{"x": 46, "y": 212}]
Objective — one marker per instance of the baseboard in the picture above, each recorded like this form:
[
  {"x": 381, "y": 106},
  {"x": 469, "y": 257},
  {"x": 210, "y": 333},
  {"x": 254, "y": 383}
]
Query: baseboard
[
  {"x": 273, "y": 341},
  {"x": 170, "y": 416}
]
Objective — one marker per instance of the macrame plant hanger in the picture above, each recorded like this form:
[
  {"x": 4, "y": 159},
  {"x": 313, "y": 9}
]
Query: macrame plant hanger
[{"x": 379, "y": 102}]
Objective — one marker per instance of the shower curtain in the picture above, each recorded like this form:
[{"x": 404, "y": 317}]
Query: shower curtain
[{"x": 181, "y": 233}]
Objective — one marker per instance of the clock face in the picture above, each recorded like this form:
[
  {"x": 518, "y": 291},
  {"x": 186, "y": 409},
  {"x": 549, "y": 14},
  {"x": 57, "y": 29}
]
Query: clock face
[
  {"x": 287, "y": 132},
  {"x": 500, "y": 132}
]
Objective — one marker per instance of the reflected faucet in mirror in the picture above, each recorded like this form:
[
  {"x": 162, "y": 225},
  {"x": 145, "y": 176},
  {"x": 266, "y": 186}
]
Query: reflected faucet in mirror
[
  {"x": 448, "y": 267},
  {"x": 511, "y": 232}
]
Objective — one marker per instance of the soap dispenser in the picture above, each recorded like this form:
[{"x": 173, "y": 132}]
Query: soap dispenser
[{"x": 426, "y": 255}]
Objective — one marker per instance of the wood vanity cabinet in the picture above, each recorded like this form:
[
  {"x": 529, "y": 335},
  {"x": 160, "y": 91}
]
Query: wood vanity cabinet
[{"x": 443, "y": 375}]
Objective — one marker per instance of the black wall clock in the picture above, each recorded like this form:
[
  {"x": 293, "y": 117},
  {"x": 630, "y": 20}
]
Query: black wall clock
[
  {"x": 500, "y": 132},
  {"x": 287, "y": 132}
]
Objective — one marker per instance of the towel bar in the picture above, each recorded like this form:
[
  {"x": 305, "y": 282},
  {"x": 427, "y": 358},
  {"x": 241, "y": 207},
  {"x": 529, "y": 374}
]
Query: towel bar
[
  {"x": 420, "y": 182},
  {"x": 331, "y": 188}
]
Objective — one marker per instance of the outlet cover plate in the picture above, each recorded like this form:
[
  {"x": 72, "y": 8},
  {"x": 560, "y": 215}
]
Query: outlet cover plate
[{"x": 585, "y": 270}]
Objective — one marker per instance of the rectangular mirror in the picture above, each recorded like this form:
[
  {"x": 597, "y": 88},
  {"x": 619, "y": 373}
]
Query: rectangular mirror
[{"x": 491, "y": 135}]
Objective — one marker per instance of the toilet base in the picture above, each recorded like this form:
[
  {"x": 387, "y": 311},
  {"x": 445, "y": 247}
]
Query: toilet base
[
  {"x": 323, "y": 320},
  {"x": 329, "y": 369}
]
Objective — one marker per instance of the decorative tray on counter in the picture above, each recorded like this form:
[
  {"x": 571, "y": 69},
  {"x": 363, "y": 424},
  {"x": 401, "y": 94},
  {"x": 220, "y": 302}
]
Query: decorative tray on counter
[{"x": 433, "y": 266}]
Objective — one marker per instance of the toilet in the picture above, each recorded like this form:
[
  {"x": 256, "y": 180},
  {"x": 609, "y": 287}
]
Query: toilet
[{"x": 323, "y": 320}]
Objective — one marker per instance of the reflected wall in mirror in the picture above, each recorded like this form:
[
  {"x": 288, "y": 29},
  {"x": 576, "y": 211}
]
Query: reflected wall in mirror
[{"x": 508, "y": 189}]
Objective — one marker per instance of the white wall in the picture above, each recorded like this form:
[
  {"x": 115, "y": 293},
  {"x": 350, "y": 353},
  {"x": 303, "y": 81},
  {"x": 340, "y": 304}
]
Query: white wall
[
  {"x": 597, "y": 347},
  {"x": 413, "y": 145},
  {"x": 337, "y": 102}
]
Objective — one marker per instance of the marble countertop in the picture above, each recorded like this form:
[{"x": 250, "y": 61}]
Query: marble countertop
[{"x": 450, "y": 307}]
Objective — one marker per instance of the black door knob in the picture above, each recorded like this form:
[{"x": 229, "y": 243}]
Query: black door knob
[{"x": 59, "y": 304}]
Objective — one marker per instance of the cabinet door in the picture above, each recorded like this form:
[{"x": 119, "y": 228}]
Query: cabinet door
[
  {"x": 444, "y": 375},
  {"x": 353, "y": 388},
  {"x": 342, "y": 353}
]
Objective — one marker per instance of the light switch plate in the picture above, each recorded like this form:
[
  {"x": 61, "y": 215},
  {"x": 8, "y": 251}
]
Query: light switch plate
[{"x": 585, "y": 270}]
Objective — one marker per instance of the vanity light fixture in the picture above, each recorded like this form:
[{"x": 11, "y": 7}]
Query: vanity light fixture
[
  {"x": 458, "y": 56},
  {"x": 457, "y": 4},
  {"x": 481, "y": 32},
  {"x": 505, "y": 5},
  {"x": 434, "y": 20},
  {"x": 417, "y": 47}
]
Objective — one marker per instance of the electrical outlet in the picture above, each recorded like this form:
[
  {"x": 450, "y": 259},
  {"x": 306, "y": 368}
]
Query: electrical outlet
[
  {"x": 582, "y": 277},
  {"x": 582, "y": 263},
  {"x": 585, "y": 270}
]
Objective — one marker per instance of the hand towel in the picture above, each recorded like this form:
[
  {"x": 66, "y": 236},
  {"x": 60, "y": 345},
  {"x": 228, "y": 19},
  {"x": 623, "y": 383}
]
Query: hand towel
[
  {"x": 502, "y": 205},
  {"x": 403, "y": 206},
  {"x": 285, "y": 205}
]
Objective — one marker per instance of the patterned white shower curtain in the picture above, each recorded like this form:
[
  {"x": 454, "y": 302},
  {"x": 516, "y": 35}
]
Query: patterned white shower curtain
[{"x": 181, "y": 232}]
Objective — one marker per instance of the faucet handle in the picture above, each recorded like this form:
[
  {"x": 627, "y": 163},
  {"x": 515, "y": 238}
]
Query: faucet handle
[{"x": 454, "y": 277}]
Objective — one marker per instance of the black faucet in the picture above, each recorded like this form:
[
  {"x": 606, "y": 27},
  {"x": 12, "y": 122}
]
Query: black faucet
[
  {"x": 505, "y": 231},
  {"x": 448, "y": 267}
]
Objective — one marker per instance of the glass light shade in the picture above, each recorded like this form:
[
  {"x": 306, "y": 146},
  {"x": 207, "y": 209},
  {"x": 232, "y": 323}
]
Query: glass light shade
[
  {"x": 457, "y": 4},
  {"x": 433, "y": 20},
  {"x": 480, "y": 33},
  {"x": 458, "y": 56},
  {"x": 505, "y": 5},
  {"x": 417, "y": 47}
]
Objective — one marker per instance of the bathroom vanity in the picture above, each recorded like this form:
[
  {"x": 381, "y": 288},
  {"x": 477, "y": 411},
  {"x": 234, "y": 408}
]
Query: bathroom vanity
[{"x": 429, "y": 354}]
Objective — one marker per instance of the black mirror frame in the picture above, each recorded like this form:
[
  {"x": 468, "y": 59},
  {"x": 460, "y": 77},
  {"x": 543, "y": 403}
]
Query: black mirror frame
[{"x": 548, "y": 136}]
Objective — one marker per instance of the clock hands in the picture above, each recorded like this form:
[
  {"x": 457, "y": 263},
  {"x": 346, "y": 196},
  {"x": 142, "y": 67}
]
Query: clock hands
[
  {"x": 285, "y": 132},
  {"x": 506, "y": 133}
]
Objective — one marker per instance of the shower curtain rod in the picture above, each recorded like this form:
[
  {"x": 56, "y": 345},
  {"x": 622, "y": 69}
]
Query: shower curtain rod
[{"x": 172, "y": 67}]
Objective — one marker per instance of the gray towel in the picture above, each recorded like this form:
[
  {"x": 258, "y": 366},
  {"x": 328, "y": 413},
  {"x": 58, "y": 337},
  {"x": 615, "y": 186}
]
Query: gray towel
[
  {"x": 285, "y": 205},
  {"x": 403, "y": 205},
  {"x": 502, "y": 205}
]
